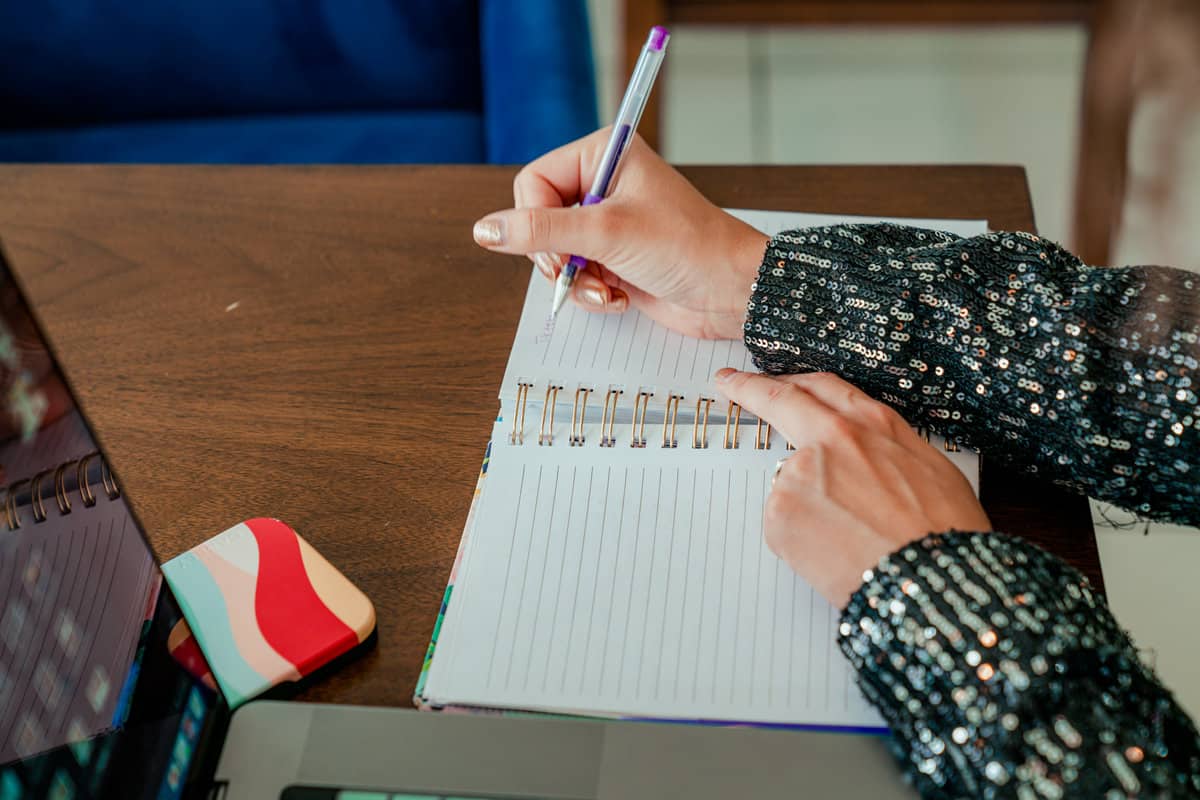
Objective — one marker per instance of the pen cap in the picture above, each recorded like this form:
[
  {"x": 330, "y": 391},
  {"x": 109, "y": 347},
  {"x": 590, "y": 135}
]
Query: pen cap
[
  {"x": 658, "y": 38},
  {"x": 641, "y": 81}
]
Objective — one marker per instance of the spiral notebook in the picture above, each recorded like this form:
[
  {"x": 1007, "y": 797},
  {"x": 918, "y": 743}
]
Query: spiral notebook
[
  {"x": 613, "y": 561},
  {"x": 70, "y": 617}
]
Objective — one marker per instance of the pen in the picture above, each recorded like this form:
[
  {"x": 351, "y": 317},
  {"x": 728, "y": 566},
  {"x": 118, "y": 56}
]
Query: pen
[{"x": 630, "y": 112}]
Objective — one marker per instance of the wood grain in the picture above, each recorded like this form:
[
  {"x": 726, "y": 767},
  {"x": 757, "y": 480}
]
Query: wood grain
[
  {"x": 351, "y": 389},
  {"x": 878, "y": 12}
]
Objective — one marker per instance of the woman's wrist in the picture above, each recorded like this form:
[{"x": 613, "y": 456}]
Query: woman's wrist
[{"x": 744, "y": 260}]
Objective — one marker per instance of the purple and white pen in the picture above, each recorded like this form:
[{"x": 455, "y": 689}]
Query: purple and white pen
[{"x": 628, "y": 116}]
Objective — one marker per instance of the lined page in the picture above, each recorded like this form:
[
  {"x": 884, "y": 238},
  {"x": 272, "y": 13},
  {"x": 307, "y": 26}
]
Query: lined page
[
  {"x": 631, "y": 350},
  {"x": 74, "y": 591},
  {"x": 637, "y": 586}
]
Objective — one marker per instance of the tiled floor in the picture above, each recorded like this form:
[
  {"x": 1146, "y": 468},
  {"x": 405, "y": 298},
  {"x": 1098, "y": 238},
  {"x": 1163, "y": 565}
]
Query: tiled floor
[{"x": 952, "y": 96}]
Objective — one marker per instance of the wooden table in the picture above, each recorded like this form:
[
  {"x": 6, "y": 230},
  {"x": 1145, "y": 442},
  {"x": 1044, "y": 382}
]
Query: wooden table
[{"x": 326, "y": 344}]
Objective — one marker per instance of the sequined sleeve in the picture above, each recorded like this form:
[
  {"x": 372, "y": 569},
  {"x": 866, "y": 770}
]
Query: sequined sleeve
[
  {"x": 1002, "y": 674},
  {"x": 1006, "y": 341}
]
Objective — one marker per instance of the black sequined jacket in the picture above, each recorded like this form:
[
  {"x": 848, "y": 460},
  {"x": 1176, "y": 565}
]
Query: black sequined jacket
[{"x": 1000, "y": 671}]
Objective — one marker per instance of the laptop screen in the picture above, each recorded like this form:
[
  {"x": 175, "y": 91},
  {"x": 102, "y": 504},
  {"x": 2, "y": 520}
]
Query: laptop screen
[{"x": 93, "y": 703}]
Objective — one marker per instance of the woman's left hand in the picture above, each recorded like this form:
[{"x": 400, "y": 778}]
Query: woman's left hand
[{"x": 860, "y": 485}]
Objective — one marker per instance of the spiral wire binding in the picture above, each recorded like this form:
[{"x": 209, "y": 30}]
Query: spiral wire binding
[
  {"x": 608, "y": 438},
  {"x": 35, "y": 497},
  {"x": 700, "y": 434},
  {"x": 578, "y": 413},
  {"x": 518, "y": 433},
  {"x": 670, "y": 419},
  {"x": 544, "y": 436},
  {"x": 609, "y": 421},
  {"x": 60, "y": 489},
  {"x": 761, "y": 441},
  {"x": 638, "y": 429},
  {"x": 734, "y": 414},
  {"x": 62, "y": 498}
]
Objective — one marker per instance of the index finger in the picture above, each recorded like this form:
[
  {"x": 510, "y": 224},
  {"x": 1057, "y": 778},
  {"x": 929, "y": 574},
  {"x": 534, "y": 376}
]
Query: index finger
[
  {"x": 562, "y": 176},
  {"x": 789, "y": 409}
]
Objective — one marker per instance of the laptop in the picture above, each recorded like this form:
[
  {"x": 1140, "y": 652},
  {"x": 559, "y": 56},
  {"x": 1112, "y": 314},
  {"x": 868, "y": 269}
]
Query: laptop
[{"x": 94, "y": 703}]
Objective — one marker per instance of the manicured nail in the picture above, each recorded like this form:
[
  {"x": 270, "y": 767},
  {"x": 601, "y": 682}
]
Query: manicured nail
[
  {"x": 723, "y": 375},
  {"x": 489, "y": 232},
  {"x": 548, "y": 263},
  {"x": 619, "y": 301},
  {"x": 593, "y": 297}
]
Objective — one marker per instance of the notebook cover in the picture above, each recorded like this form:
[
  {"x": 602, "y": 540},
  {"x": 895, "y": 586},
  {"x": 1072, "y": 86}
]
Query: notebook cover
[{"x": 419, "y": 699}]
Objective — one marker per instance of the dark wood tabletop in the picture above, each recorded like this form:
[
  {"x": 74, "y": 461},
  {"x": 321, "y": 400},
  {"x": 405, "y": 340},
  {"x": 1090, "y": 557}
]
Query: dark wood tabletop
[{"x": 325, "y": 345}]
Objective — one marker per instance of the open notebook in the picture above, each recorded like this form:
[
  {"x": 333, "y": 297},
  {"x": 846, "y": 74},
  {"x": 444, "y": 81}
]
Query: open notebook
[
  {"x": 76, "y": 583},
  {"x": 613, "y": 562}
]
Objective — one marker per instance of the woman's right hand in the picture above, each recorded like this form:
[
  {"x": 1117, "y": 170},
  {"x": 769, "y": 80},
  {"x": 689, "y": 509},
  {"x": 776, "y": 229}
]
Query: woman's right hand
[{"x": 654, "y": 243}]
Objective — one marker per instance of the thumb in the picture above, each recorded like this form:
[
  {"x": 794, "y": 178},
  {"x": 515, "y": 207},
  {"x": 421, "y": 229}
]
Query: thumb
[{"x": 584, "y": 231}]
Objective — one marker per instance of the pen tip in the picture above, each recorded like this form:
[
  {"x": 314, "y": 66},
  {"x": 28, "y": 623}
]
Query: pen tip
[{"x": 561, "y": 289}]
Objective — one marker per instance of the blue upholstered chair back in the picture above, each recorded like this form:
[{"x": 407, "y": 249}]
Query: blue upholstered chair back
[{"x": 292, "y": 80}]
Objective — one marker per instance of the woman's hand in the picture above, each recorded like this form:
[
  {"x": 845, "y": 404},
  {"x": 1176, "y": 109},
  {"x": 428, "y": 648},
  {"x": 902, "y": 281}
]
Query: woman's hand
[
  {"x": 655, "y": 242},
  {"x": 860, "y": 485}
]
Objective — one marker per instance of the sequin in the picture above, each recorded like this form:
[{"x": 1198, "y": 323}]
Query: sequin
[
  {"x": 1049, "y": 749},
  {"x": 1014, "y": 673},
  {"x": 996, "y": 773},
  {"x": 1103, "y": 342}
]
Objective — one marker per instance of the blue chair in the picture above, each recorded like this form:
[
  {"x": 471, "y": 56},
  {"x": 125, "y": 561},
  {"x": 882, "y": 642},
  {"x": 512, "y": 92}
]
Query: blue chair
[{"x": 293, "y": 81}]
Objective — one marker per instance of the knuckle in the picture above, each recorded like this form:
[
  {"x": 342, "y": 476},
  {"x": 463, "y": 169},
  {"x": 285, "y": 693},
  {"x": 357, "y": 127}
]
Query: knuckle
[
  {"x": 782, "y": 515},
  {"x": 793, "y": 468},
  {"x": 838, "y": 428},
  {"x": 519, "y": 179},
  {"x": 736, "y": 383},
  {"x": 536, "y": 225},
  {"x": 780, "y": 392},
  {"x": 882, "y": 415}
]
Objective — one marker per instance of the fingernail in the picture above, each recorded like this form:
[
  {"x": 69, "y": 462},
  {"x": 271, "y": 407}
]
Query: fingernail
[
  {"x": 724, "y": 374},
  {"x": 548, "y": 263},
  {"x": 593, "y": 297},
  {"x": 619, "y": 301},
  {"x": 489, "y": 232}
]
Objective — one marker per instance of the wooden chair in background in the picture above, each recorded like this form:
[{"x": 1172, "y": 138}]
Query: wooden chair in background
[
  {"x": 1139, "y": 51},
  {"x": 1110, "y": 92}
]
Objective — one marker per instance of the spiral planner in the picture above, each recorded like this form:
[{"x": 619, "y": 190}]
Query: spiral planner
[
  {"x": 613, "y": 561},
  {"x": 70, "y": 620}
]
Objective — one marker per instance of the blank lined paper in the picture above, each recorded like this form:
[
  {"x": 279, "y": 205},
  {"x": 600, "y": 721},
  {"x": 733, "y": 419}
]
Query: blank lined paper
[
  {"x": 634, "y": 581},
  {"x": 638, "y": 586},
  {"x": 631, "y": 350},
  {"x": 70, "y": 619},
  {"x": 604, "y": 350}
]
